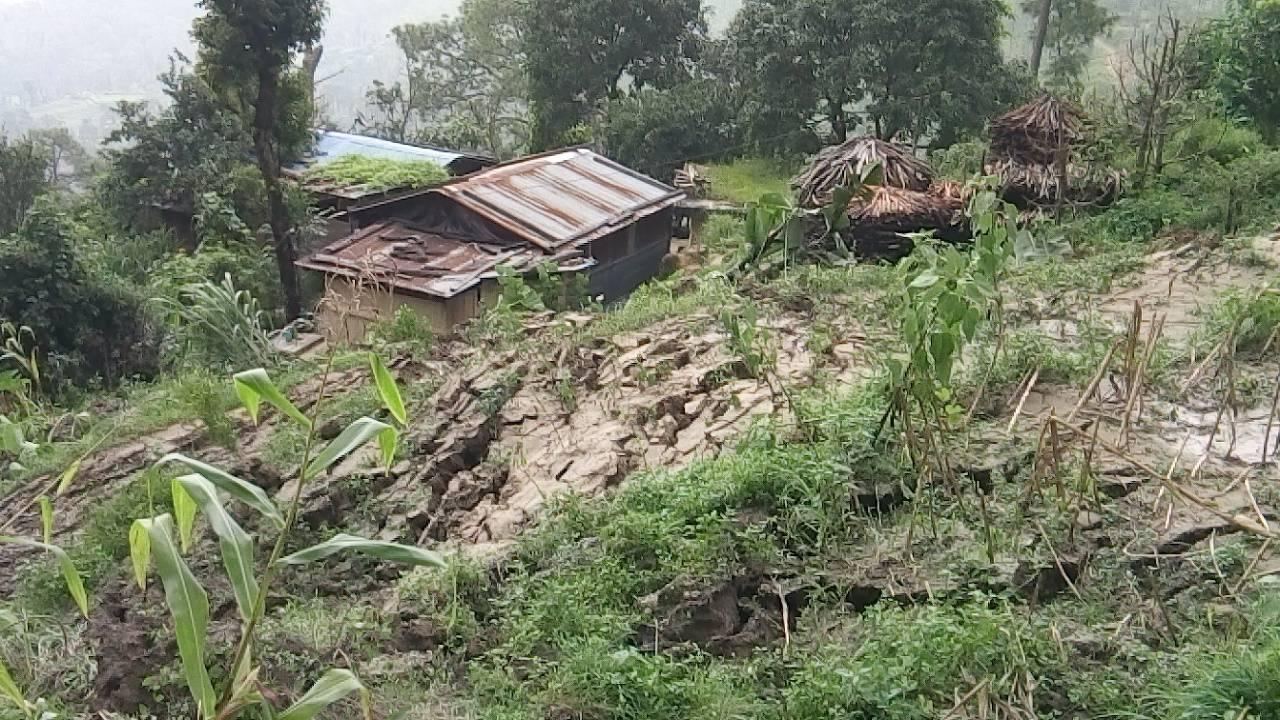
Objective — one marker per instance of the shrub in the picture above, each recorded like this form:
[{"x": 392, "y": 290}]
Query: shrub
[
  {"x": 220, "y": 326},
  {"x": 656, "y": 131},
  {"x": 89, "y": 326},
  {"x": 251, "y": 267}
]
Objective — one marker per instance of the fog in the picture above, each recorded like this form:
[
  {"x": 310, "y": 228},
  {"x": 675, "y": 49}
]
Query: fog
[{"x": 68, "y": 62}]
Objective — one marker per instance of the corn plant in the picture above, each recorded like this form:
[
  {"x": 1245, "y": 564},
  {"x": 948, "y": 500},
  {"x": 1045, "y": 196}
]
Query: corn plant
[
  {"x": 21, "y": 384},
  {"x": 205, "y": 489},
  {"x": 9, "y": 689}
]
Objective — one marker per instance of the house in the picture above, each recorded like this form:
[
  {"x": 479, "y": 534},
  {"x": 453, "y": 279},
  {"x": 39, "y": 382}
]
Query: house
[
  {"x": 331, "y": 201},
  {"x": 438, "y": 250}
]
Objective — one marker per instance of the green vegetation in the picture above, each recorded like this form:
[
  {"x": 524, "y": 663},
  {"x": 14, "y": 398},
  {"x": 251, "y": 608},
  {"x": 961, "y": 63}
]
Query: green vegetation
[
  {"x": 779, "y": 482},
  {"x": 377, "y": 174},
  {"x": 746, "y": 180}
]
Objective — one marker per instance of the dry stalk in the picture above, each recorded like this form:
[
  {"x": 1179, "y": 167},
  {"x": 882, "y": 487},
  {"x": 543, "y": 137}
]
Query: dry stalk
[
  {"x": 959, "y": 704},
  {"x": 1057, "y": 560},
  {"x": 1240, "y": 521},
  {"x": 1252, "y": 565},
  {"x": 1095, "y": 382},
  {"x": 1026, "y": 393},
  {"x": 1135, "y": 387},
  {"x": 1271, "y": 421}
]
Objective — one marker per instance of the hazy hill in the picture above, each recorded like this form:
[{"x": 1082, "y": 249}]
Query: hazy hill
[{"x": 66, "y": 62}]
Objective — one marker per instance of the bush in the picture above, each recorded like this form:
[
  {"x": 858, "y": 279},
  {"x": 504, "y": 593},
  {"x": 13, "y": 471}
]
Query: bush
[
  {"x": 89, "y": 327},
  {"x": 656, "y": 131},
  {"x": 252, "y": 268},
  {"x": 220, "y": 326}
]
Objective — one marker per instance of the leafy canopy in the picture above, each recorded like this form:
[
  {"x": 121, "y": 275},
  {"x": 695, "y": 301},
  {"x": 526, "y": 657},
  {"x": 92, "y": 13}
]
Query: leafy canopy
[
  {"x": 931, "y": 69},
  {"x": 578, "y": 52}
]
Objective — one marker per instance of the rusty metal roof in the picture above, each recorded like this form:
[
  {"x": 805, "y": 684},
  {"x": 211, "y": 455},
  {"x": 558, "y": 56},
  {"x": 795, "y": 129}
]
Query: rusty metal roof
[
  {"x": 418, "y": 261},
  {"x": 564, "y": 197}
]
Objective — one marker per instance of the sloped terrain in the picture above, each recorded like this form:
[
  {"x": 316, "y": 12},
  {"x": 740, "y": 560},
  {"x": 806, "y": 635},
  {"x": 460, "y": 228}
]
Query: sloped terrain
[{"x": 690, "y": 506}]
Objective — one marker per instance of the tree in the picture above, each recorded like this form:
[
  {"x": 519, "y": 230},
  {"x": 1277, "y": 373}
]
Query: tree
[
  {"x": 86, "y": 326},
  {"x": 928, "y": 70},
  {"x": 24, "y": 167},
  {"x": 464, "y": 85},
  {"x": 68, "y": 160},
  {"x": 580, "y": 52},
  {"x": 1238, "y": 56},
  {"x": 1070, "y": 29},
  {"x": 246, "y": 48},
  {"x": 194, "y": 148},
  {"x": 656, "y": 131},
  {"x": 1152, "y": 87}
]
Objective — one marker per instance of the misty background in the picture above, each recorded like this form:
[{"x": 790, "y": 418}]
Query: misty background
[{"x": 67, "y": 63}]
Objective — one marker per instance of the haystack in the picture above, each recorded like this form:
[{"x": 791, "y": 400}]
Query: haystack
[
  {"x": 1034, "y": 150},
  {"x": 843, "y": 164},
  {"x": 1037, "y": 131},
  {"x": 880, "y": 223}
]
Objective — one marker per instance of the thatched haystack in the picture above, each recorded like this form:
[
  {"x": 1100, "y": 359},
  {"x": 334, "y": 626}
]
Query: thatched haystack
[
  {"x": 1033, "y": 150},
  {"x": 840, "y": 165},
  {"x": 1036, "y": 132},
  {"x": 1032, "y": 185},
  {"x": 879, "y": 223}
]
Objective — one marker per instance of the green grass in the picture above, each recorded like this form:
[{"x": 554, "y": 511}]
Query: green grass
[{"x": 745, "y": 180}]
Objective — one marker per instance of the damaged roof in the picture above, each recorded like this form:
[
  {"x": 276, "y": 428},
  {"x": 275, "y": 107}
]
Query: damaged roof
[
  {"x": 418, "y": 261},
  {"x": 330, "y": 145},
  {"x": 561, "y": 198}
]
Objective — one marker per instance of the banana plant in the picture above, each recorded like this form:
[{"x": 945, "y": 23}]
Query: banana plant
[{"x": 203, "y": 489}]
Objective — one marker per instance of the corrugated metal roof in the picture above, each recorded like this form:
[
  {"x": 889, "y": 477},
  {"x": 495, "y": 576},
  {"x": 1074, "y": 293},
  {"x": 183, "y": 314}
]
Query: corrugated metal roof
[
  {"x": 426, "y": 263},
  {"x": 563, "y": 197}
]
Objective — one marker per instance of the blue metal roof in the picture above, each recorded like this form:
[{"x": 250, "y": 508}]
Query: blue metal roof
[{"x": 331, "y": 145}]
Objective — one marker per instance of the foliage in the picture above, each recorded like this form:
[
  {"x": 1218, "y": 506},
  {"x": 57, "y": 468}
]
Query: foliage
[
  {"x": 90, "y": 328},
  {"x": 378, "y": 174},
  {"x": 245, "y": 52},
  {"x": 24, "y": 168},
  {"x": 926, "y": 70},
  {"x": 909, "y": 660},
  {"x": 960, "y": 162},
  {"x": 69, "y": 161},
  {"x": 657, "y": 131},
  {"x": 191, "y": 148},
  {"x": 947, "y": 295},
  {"x": 220, "y": 326},
  {"x": 406, "y": 327},
  {"x": 158, "y": 538},
  {"x": 1236, "y": 56},
  {"x": 1074, "y": 27},
  {"x": 748, "y": 341},
  {"x": 464, "y": 84},
  {"x": 249, "y": 265},
  {"x": 747, "y": 179},
  {"x": 579, "y": 52},
  {"x": 209, "y": 399}
]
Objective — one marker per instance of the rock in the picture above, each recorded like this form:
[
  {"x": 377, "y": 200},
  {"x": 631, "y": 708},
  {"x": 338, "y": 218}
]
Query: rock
[
  {"x": 329, "y": 430},
  {"x": 666, "y": 430},
  {"x": 1088, "y": 520},
  {"x": 1118, "y": 486}
]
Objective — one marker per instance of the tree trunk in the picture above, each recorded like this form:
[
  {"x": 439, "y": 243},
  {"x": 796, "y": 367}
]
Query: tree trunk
[
  {"x": 265, "y": 110},
  {"x": 1037, "y": 42}
]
